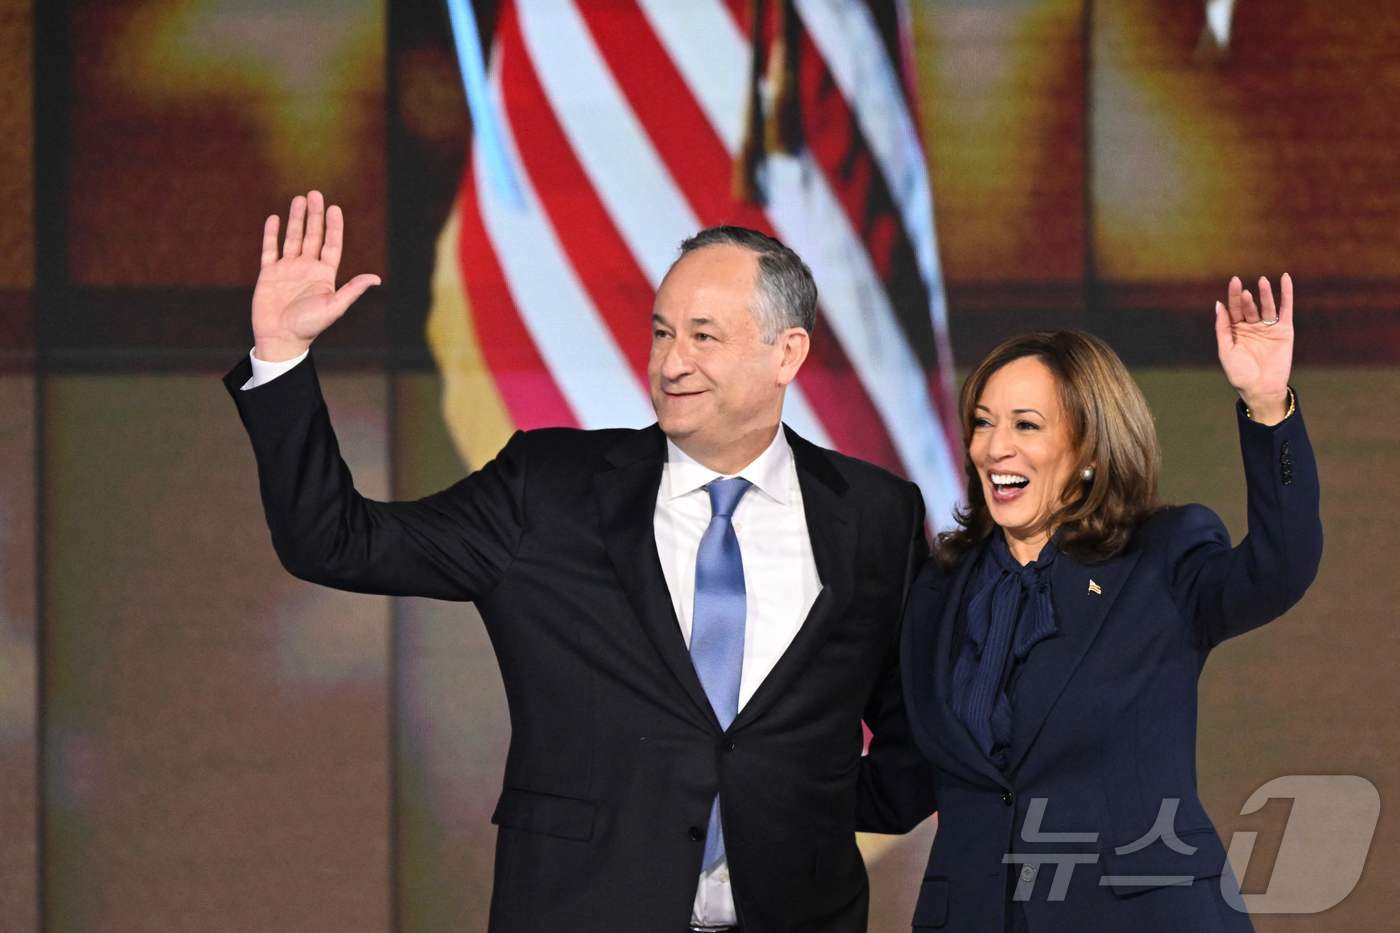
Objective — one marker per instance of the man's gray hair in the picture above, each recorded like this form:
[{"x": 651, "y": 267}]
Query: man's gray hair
[{"x": 785, "y": 293}]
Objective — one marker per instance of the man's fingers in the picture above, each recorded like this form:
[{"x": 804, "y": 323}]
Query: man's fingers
[
  {"x": 1235, "y": 303},
  {"x": 1285, "y": 308},
  {"x": 350, "y": 292},
  {"x": 335, "y": 236},
  {"x": 296, "y": 221},
  {"x": 1267, "y": 311},
  {"x": 315, "y": 224},
  {"x": 269, "y": 241}
]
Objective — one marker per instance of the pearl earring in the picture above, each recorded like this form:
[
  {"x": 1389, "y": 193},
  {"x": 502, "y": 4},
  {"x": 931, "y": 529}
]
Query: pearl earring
[{"x": 1087, "y": 474}]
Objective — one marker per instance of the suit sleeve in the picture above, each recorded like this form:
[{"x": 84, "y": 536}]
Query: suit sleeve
[
  {"x": 455, "y": 544},
  {"x": 897, "y": 786},
  {"x": 1228, "y": 591}
]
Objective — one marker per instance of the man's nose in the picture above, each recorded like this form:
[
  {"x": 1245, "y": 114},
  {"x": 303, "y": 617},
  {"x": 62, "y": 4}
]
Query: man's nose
[{"x": 675, "y": 361}]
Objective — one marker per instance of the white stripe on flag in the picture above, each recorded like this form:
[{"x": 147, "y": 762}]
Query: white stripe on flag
[
  {"x": 636, "y": 188},
  {"x": 608, "y": 140},
  {"x": 712, "y": 56},
  {"x": 813, "y": 222},
  {"x": 849, "y": 41},
  {"x": 572, "y": 339},
  {"x": 807, "y": 215}
]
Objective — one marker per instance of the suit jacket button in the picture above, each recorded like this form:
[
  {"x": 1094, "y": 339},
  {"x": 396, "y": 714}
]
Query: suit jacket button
[
  {"x": 696, "y": 834},
  {"x": 728, "y": 746},
  {"x": 1283, "y": 448},
  {"x": 1008, "y": 798}
]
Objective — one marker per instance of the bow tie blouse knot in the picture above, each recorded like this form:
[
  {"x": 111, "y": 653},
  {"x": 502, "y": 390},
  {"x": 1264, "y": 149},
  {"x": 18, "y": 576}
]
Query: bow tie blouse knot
[{"x": 1010, "y": 612}]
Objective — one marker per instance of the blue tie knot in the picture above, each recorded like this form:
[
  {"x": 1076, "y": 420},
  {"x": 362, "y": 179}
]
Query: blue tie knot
[{"x": 725, "y": 495}]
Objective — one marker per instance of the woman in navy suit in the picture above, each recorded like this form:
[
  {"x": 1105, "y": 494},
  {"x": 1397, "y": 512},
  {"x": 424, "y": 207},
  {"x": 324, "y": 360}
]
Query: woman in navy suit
[{"x": 1052, "y": 646}]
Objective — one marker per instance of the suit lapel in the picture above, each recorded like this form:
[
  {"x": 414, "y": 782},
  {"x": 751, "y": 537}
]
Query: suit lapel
[
  {"x": 831, "y": 529},
  {"x": 1079, "y": 614},
  {"x": 627, "y": 503},
  {"x": 949, "y": 730}
]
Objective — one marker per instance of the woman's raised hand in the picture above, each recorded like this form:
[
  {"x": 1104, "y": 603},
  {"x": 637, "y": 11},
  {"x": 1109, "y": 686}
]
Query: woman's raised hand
[
  {"x": 296, "y": 298},
  {"x": 1255, "y": 343}
]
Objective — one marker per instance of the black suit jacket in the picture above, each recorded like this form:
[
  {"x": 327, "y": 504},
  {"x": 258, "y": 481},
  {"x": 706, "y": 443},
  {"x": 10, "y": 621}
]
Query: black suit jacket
[
  {"x": 1104, "y": 722},
  {"x": 615, "y": 754}
]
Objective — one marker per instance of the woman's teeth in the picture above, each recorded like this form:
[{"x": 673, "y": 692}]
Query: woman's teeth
[{"x": 1007, "y": 486}]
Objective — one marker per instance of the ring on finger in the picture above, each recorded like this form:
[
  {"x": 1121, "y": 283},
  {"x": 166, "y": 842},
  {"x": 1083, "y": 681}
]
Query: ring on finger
[{"x": 1270, "y": 323}]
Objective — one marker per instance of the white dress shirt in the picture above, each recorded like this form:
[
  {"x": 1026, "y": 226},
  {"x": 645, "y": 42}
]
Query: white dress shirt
[
  {"x": 780, "y": 581},
  {"x": 266, "y": 372},
  {"x": 780, "y": 573}
]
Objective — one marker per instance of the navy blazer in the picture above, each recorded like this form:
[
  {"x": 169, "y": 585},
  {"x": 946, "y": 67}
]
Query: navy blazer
[{"x": 1104, "y": 734}]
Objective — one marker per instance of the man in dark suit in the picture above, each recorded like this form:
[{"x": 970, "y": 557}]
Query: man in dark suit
[{"x": 691, "y": 619}]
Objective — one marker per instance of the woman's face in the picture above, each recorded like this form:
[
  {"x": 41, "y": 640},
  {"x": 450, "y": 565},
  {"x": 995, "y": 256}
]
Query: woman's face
[{"x": 1022, "y": 449}]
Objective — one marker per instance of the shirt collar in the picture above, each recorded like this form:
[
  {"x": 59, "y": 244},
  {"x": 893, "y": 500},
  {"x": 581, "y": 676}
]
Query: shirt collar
[{"x": 771, "y": 472}]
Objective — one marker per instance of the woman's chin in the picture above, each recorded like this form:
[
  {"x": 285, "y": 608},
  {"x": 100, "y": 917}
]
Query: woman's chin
[
  {"x": 1019, "y": 523},
  {"x": 1008, "y": 516}
]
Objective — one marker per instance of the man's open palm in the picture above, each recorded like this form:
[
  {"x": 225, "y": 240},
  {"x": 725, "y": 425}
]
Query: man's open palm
[{"x": 296, "y": 298}]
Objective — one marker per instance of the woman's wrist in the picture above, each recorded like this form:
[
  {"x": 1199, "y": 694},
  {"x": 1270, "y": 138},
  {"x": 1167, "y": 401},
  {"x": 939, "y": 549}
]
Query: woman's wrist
[{"x": 1271, "y": 408}]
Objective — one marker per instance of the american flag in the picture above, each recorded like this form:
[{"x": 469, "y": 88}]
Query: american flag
[{"x": 616, "y": 128}]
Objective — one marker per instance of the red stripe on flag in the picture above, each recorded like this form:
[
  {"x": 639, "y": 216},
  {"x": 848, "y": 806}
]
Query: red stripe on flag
[
  {"x": 595, "y": 249},
  {"x": 697, "y": 160},
  {"x": 739, "y": 9},
  {"x": 694, "y": 154},
  {"x": 840, "y": 151},
  {"x": 528, "y": 389}
]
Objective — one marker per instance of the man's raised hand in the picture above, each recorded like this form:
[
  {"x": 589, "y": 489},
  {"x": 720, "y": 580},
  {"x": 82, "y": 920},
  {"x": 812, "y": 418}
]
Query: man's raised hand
[{"x": 296, "y": 298}]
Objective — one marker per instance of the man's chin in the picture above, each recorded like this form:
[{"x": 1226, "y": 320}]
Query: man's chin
[
  {"x": 677, "y": 421},
  {"x": 675, "y": 428}
]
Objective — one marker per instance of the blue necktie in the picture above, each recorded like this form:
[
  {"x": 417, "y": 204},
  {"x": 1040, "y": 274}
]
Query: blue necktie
[{"x": 717, "y": 625}]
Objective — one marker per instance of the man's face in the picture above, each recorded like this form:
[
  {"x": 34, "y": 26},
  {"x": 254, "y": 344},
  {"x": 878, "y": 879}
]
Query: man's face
[{"x": 714, "y": 383}]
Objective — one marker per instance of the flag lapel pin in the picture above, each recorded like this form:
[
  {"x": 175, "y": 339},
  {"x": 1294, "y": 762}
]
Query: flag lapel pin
[{"x": 1095, "y": 588}]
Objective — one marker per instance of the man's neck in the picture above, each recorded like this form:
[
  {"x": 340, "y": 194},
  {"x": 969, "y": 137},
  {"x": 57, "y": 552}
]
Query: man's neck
[{"x": 731, "y": 458}]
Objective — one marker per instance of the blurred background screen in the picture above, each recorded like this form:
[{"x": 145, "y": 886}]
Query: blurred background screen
[{"x": 192, "y": 740}]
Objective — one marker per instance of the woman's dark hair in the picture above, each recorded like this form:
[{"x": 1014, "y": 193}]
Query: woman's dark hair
[{"x": 1111, "y": 429}]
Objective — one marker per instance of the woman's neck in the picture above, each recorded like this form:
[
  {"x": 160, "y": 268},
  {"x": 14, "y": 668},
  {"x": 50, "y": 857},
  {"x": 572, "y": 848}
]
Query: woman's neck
[{"x": 1024, "y": 550}]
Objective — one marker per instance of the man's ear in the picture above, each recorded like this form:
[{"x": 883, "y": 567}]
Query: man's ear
[{"x": 794, "y": 342}]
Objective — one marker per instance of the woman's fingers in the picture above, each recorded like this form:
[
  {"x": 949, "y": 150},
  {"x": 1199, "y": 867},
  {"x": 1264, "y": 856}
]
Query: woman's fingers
[
  {"x": 1240, "y": 306},
  {"x": 1234, "y": 306},
  {"x": 1267, "y": 312},
  {"x": 1251, "y": 311},
  {"x": 1224, "y": 339}
]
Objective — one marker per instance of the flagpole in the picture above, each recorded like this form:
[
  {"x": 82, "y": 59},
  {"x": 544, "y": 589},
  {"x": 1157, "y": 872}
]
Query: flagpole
[{"x": 485, "y": 126}]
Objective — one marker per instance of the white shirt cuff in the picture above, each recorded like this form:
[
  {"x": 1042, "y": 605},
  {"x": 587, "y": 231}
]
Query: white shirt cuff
[{"x": 264, "y": 372}]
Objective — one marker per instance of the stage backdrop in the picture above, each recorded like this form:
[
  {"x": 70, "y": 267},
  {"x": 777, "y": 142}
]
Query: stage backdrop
[{"x": 192, "y": 740}]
